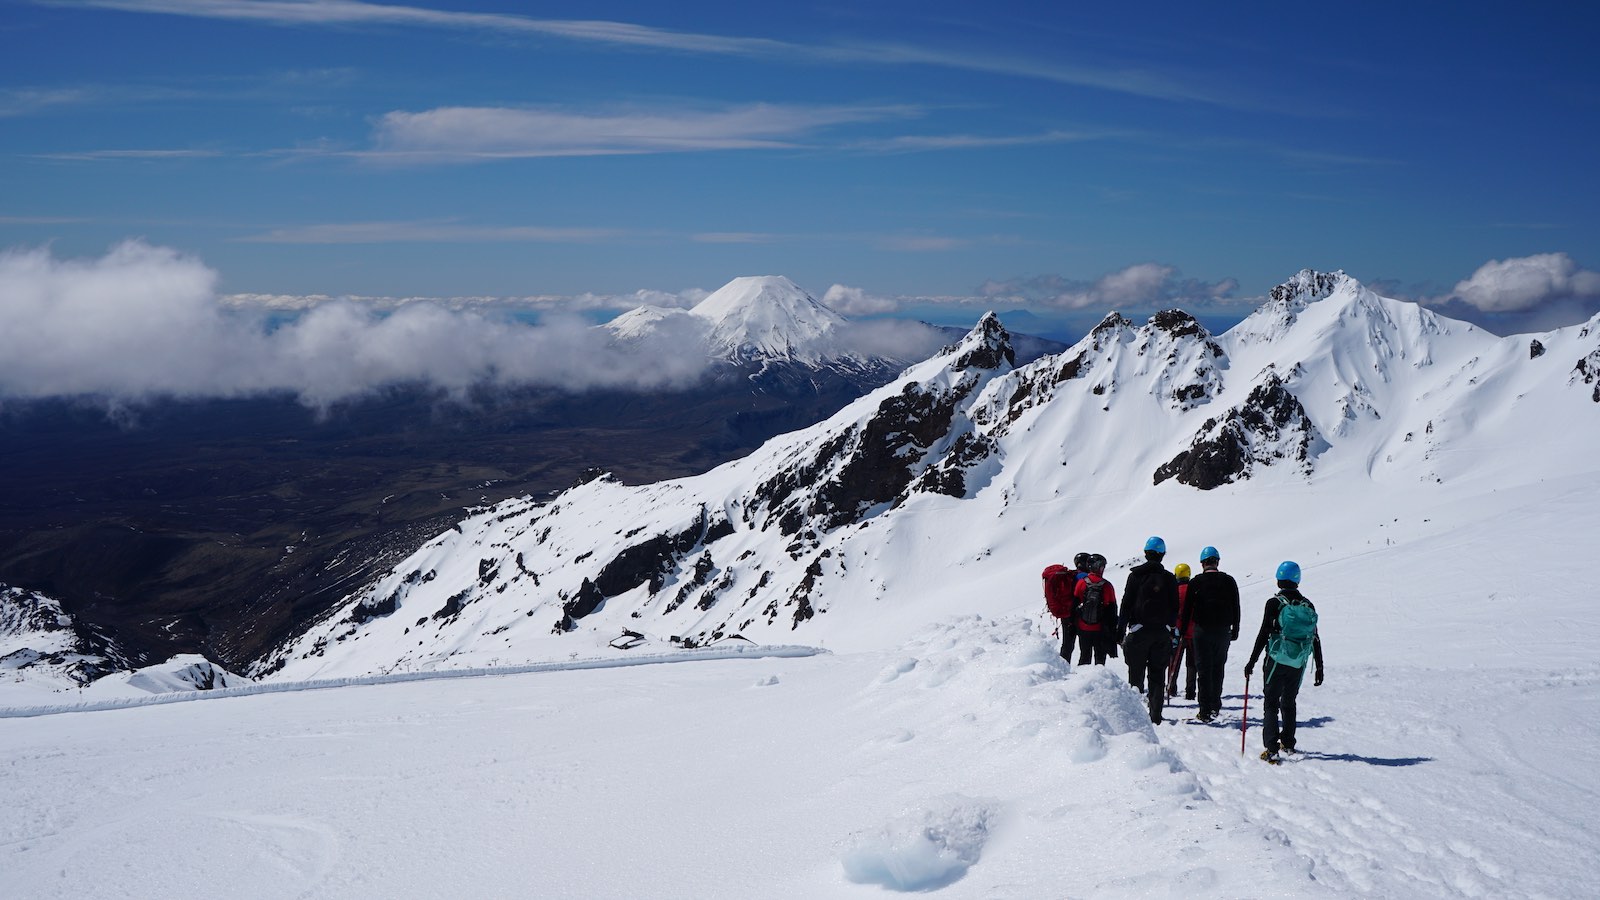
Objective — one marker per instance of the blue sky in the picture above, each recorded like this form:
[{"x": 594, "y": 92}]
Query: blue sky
[{"x": 1063, "y": 157}]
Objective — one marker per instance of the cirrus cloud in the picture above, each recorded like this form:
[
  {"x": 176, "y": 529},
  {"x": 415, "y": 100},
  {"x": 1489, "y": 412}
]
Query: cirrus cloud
[{"x": 464, "y": 133}]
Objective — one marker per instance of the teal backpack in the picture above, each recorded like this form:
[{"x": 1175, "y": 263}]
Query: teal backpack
[{"x": 1297, "y": 631}]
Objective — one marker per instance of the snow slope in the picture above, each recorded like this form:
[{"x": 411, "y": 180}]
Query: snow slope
[{"x": 968, "y": 761}]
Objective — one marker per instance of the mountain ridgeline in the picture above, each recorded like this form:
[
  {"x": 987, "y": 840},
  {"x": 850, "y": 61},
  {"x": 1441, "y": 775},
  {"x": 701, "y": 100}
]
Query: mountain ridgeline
[
  {"x": 220, "y": 527},
  {"x": 1325, "y": 386}
]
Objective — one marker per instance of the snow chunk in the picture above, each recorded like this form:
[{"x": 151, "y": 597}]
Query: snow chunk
[
  {"x": 925, "y": 848},
  {"x": 184, "y": 672}
]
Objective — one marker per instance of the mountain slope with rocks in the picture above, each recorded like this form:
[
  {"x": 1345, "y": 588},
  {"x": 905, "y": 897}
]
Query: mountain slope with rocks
[{"x": 1328, "y": 394}]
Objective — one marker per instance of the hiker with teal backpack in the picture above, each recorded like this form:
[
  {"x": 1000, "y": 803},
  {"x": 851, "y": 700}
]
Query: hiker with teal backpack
[{"x": 1289, "y": 636}]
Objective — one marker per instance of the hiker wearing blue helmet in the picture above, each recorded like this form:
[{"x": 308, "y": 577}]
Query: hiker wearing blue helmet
[
  {"x": 1150, "y": 622},
  {"x": 1289, "y": 636},
  {"x": 1212, "y": 608}
]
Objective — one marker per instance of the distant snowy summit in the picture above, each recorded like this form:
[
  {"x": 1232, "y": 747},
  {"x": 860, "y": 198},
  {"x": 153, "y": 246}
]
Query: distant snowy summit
[
  {"x": 756, "y": 319},
  {"x": 769, "y": 316}
]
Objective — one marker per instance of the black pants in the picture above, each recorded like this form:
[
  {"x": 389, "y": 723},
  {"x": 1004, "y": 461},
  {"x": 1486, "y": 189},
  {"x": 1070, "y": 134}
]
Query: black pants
[
  {"x": 1066, "y": 640},
  {"x": 1182, "y": 658},
  {"x": 1278, "y": 695},
  {"x": 1211, "y": 657},
  {"x": 1148, "y": 651},
  {"x": 1091, "y": 644}
]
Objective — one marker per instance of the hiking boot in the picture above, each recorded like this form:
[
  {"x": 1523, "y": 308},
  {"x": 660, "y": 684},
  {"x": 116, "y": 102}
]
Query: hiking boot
[
  {"x": 1188, "y": 695},
  {"x": 1289, "y": 749},
  {"x": 1271, "y": 757}
]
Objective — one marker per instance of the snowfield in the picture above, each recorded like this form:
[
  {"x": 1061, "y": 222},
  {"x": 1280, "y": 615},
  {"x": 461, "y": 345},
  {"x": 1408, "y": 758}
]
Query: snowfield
[
  {"x": 901, "y": 721},
  {"x": 970, "y": 762}
]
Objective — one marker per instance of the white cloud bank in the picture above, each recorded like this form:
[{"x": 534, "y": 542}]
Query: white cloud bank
[
  {"x": 145, "y": 321},
  {"x": 1526, "y": 283}
]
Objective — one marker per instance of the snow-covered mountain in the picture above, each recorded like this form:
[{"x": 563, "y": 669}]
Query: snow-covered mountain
[
  {"x": 1328, "y": 389},
  {"x": 44, "y": 653},
  {"x": 40, "y": 643},
  {"x": 759, "y": 321}
]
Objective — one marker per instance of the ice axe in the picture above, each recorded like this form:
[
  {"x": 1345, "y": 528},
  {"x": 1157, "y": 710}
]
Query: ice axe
[{"x": 1244, "y": 719}]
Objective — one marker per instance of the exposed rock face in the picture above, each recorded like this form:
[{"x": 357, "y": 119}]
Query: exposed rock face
[
  {"x": 1188, "y": 359},
  {"x": 35, "y": 633},
  {"x": 875, "y": 463},
  {"x": 1269, "y": 427},
  {"x": 991, "y": 349},
  {"x": 1307, "y": 285},
  {"x": 1535, "y": 349},
  {"x": 1588, "y": 371},
  {"x": 1036, "y": 386}
]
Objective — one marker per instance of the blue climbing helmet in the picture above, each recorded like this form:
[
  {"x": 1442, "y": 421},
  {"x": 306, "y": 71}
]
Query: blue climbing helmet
[
  {"x": 1156, "y": 545},
  {"x": 1289, "y": 570},
  {"x": 1211, "y": 554}
]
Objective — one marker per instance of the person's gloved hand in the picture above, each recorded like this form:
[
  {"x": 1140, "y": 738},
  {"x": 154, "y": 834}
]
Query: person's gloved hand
[
  {"x": 1318, "y": 680},
  {"x": 1249, "y": 667},
  {"x": 1233, "y": 634}
]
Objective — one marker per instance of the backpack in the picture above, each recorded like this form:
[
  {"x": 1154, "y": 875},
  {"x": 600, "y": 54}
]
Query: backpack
[
  {"x": 1094, "y": 593},
  {"x": 1150, "y": 606},
  {"x": 1058, "y": 584},
  {"x": 1292, "y": 643}
]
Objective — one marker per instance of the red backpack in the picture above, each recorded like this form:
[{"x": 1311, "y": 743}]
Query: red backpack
[{"x": 1058, "y": 584}]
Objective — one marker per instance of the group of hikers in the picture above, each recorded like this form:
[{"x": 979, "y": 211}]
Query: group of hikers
[{"x": 1175, "y": 620}]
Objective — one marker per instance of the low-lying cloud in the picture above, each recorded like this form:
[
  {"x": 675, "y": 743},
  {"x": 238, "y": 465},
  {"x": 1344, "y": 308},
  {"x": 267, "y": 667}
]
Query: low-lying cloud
[
  {"x": 1141, "y": 286},
  {"x": 145, "y": 321},
  {"x": 854, "y": 301}
]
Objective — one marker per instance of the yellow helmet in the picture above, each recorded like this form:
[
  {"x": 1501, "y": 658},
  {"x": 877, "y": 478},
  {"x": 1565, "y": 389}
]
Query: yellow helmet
[{"x": 1181, "y": 570}]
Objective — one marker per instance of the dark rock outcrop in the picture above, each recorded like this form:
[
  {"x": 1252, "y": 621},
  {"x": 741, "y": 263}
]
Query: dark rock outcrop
[
  {"x": 1307, "y": 285},
  {"x": 1270, "y": 426}
]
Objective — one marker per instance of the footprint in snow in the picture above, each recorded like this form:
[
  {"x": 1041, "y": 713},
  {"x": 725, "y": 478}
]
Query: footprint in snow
[{"x": 923, "y": 849}]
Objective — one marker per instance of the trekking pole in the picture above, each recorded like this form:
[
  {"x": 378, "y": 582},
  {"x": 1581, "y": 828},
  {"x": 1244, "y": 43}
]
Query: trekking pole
[{"x": 1244, "y": 720}]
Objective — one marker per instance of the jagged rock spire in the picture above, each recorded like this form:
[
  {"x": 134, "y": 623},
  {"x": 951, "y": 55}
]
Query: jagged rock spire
[
  {"x": 1308, "y": 285},
  {"x": 986, "y": 346}
]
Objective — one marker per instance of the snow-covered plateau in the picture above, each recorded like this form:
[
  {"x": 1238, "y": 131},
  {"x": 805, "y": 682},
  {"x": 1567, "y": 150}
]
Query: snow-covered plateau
[{"x": 839, "y": 679}]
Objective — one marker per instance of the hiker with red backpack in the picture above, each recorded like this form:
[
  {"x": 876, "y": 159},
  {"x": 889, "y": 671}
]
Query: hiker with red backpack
[
  {"x": 1059, "y": 583},
  {"x": 1150, "y": 621},
  {"x": 1094, "y": 612},
  {"x": 1183, "y": 654},
  {"x": 1211, "y": 615},
  {"x": 1289, "y": 636}
]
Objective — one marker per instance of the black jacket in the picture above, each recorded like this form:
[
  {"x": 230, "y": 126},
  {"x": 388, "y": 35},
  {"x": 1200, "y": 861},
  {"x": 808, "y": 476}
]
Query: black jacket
[
  {"x": 1269, "y": 624},
  {"x": 1212, "y": 602},
  {"x": 1157, "y": 607}
]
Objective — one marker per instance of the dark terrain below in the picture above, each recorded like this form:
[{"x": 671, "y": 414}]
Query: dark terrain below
[{"x": 223, "y": 526}]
